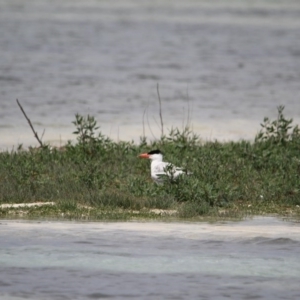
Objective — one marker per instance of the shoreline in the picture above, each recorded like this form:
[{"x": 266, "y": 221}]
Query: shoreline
[
  {"x": 222, "y": 131},
  {"x": 271, "y": 226},
  {"x": 53, "y": 211}
]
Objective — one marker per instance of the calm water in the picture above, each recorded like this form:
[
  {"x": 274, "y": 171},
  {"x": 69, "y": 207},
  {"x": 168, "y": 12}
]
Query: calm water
[
  {"x": 235, "y": 61},
  {"x": 250, "y": 259}
]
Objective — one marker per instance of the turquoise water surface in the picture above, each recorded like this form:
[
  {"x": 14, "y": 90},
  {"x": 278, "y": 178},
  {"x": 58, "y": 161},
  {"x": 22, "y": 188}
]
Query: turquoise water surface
[{"x": 250, "y": 259}]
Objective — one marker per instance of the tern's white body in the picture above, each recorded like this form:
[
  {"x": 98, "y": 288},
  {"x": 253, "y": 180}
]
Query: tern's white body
[{"x": 160, "y": 169}]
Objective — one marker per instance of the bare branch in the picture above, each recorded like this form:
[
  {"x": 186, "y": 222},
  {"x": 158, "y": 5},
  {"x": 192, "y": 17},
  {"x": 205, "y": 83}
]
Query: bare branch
[
  {"x": 150, "y": 126},
  {"x": 43, "y": 134},
  {"x": 30, "y": 124},
  {"x": 144, "y": 132},
  {"x": 190, "y": 109},
  {"x": 160, "y": 111},
  {"x": 156, "y": 122}
]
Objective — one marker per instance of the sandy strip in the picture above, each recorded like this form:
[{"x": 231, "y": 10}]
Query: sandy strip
[
  {"x": 9, "y": 205},
  {"x": 268, "y": 227}
]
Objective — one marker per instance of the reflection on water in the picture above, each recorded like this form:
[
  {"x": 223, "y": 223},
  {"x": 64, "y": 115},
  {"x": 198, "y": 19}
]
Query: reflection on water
[
  {"x": 256, "y": 258},
  {"x": 234, "y": 60}
]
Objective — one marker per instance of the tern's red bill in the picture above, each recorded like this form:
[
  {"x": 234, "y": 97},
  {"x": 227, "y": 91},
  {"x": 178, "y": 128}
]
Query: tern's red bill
[{"x": 144, "y": 155}]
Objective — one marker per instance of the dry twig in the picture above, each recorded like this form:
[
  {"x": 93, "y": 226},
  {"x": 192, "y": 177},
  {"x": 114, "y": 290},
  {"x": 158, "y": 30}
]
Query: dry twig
[
  {"x": 160, "y": 111},
  {"x": 144, "y": 132},
  {"x": 31, "y": 126}
]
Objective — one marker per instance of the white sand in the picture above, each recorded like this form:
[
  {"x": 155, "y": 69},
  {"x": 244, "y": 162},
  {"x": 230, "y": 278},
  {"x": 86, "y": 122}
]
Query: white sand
[
  {"x": 269, "y": 227},
  {"x": 25, "y": 204}
]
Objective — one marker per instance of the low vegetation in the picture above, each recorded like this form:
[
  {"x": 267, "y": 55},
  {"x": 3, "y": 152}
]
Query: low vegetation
[{"x": 97, "y": 178}]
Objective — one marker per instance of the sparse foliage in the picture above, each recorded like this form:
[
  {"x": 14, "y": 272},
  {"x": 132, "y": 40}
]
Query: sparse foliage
[{"x": 278, "y": 131}]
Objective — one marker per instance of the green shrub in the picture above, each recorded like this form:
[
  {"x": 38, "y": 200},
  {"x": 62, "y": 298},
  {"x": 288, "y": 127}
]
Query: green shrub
[{"x": 100, "y": 173}]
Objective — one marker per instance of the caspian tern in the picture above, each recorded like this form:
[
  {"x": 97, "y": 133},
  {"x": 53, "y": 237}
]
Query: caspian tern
[{"x": 160, "y": 169}]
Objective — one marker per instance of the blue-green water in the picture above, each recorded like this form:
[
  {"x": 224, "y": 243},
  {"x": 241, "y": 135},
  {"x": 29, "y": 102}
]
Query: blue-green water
[
  {"x": 230, "y": 62},
  {"x": 249, "y": 259}
]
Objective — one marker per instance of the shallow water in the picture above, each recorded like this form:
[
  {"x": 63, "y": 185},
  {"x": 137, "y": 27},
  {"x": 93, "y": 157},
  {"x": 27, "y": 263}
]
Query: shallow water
[
  {"x": 250, "y": 259},
  {"x": 234, "y": 60}
]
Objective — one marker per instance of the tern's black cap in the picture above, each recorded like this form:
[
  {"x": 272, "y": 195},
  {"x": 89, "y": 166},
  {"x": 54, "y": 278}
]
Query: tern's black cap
[{"x": 157, "y": 151}]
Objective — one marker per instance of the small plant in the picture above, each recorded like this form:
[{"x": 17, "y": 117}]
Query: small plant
[
  {"x": 88, "y": 139},
  {"x": 278, "y": 131},
  {"x": 85, "y": 129},
  {"x": 184, "y": 138}
]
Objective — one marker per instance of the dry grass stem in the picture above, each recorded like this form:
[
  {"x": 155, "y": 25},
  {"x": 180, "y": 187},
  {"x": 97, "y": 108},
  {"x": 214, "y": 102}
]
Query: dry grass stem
[
  {"x": 31, "y": 126},
  {"x": 160, "y": 111}
]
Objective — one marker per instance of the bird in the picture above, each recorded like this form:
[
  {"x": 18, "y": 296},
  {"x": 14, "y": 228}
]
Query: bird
[{"x": 161, "y": 170}]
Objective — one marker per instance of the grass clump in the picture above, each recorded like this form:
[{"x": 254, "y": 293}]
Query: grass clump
[{"x": 97, "y": 178}]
